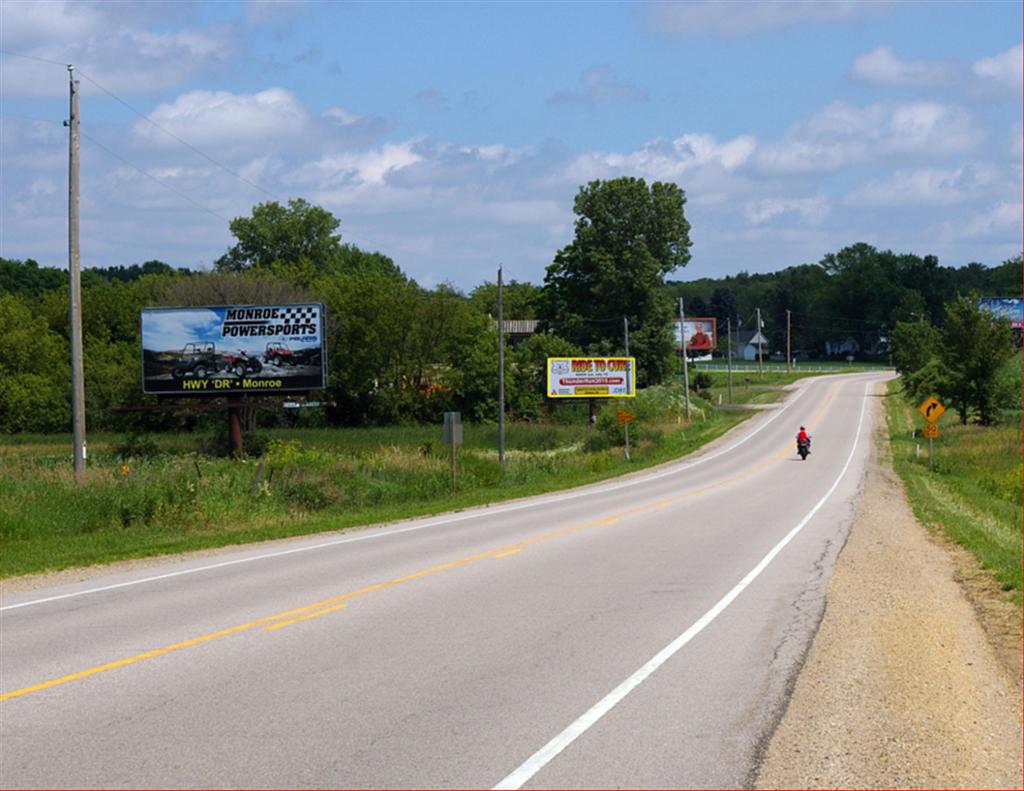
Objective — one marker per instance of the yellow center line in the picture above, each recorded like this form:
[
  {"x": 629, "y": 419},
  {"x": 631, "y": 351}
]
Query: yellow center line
[
  {"x": 311, "y": 611},
  {"x": 316, "y": 614}
]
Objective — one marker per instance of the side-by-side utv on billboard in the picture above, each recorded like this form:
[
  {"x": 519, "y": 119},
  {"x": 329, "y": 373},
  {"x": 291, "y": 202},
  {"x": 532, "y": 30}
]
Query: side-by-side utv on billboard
[{"x": 224, "y": 349}]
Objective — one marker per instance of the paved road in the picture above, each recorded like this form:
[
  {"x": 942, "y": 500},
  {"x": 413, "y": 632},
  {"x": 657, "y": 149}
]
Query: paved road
[{"x": 638, "y": 633}]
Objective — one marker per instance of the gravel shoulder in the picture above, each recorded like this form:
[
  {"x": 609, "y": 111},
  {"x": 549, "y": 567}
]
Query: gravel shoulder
[{"x": 914, "y": 677}]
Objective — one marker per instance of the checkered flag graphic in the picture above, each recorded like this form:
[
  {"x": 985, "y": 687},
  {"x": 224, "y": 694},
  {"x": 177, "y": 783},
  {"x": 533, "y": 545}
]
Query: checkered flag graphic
[{"x": 305, "y": 314}]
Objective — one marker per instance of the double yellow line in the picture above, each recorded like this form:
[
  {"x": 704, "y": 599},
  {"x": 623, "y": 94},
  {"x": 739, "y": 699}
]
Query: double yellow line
[{"x": 273, "y": 623}]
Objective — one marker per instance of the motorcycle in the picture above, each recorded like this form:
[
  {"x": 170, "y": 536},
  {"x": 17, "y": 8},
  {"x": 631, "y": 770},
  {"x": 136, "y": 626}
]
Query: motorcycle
[{"x": 803, "y": 447}]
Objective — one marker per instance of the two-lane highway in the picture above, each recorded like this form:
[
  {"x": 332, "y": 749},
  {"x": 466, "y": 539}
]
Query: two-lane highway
[{"x": 642, "y": 632}]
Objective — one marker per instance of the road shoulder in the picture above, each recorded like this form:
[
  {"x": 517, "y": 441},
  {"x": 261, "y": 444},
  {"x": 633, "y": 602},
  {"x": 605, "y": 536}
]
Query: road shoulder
[{"x": 913, "y": 679}]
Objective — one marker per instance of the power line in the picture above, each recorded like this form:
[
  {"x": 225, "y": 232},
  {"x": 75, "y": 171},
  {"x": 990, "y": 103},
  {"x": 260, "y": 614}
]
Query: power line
[
  {"x": 130, "y": 164},
  {"x": 145, "y": 117},
  {"x": 185, "y": 143},
  {"x": 32, "y": 57},
  {"x": 148, "y": 175}
]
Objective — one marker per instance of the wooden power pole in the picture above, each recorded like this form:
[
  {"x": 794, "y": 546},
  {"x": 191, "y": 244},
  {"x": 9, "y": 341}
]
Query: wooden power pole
[{"x": 78, "y": 452}]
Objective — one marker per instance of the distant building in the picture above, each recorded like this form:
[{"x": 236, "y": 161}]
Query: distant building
[
  {"x": 747, "y": 344},
  {"x": 517, "y": 330}
]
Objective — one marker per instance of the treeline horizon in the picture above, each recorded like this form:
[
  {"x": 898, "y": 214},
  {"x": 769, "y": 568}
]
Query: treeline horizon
[{"x": 402, "y": 353}]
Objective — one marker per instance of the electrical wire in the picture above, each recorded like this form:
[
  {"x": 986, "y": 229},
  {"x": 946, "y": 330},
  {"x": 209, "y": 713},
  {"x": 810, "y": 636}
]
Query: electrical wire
[
  {"x": 145, "y": 117},
  {"x": 148, "y": 175},
  {"x": 185, "y": 143}
]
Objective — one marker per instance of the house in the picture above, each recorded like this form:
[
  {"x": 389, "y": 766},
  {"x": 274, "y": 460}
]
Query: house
[
  {"x": 844, "y": 346},
  {"x": 747, "y": 344}
]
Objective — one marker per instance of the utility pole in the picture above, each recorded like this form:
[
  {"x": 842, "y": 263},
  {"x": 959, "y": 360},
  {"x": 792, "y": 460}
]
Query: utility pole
[
  {"x": 625, "y": 324},
  {"x": 789, "y": 343},
  {"x": 501, "y": 370},
  {"x": 760, "y": 344},
  {"x": 686, "y": 367},
  {"x": 728, "y": 324},
  {"x": 78, "y": 452}
]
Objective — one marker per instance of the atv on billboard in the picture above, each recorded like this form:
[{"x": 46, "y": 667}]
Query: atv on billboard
[
  {"x": 591, "y": 377},
  {"x": 226, "y": 349}
]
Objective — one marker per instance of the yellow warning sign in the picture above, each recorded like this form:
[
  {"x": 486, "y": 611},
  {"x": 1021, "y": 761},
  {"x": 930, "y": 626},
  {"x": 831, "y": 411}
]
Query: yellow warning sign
[
  {"x": 931, "y": 430},
  {"x": 622, "y": 416},
  {"x": 931, "y": 408}
]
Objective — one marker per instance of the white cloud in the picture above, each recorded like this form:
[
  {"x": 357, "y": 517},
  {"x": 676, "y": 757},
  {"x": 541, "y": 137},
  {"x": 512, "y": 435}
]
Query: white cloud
[
  {"x": 665, "y": 160},
  {"x": 989, "y": 225},
  {"x": 746, "y": 17},
  {"x": 882, "y": 66},
  {"x": 219, "y": 119},
  {"x": 106, "y": 42},
  {"x": 810, "y": 211},
  {"x": 842, "y": 135},
  {"x": 358, "y": 168},
  {"x": 1001, "y": 72},
  {"x": 600, "y": 87},
  {"x": 930, "y": 187}
]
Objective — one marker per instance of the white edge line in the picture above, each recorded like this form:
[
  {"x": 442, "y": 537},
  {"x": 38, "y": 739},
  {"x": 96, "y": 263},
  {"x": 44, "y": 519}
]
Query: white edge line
[
  {"x": 476, "y": 514},
  {"x": 545, "y": 754}
]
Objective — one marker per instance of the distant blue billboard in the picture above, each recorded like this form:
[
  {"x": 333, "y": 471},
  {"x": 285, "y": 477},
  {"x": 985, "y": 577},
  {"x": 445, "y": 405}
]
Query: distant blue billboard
[{"x": 1011, "y": 308}]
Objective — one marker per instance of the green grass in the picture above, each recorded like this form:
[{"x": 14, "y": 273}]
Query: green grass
[
  {"x": 308, "y": 481},
  {"x": 973, "y": 494}
]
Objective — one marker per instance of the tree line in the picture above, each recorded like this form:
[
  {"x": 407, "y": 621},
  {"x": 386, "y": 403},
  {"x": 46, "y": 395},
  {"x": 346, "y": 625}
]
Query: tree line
[{"x": 400, "y": 352}]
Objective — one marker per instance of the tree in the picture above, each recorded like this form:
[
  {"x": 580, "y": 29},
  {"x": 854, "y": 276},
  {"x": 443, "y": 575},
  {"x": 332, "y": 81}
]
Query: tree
[
  {"x": 974, "y": 348},
  {"x": 297, "y": 234},
  {"x": 628, "y": 237},
  {"x": 35, "y": 394},
  {"x": 521, "y": 300}
]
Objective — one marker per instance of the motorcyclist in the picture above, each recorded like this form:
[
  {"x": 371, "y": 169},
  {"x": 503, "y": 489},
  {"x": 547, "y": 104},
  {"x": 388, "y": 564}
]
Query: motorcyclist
[{"x": 803, "y": 438}]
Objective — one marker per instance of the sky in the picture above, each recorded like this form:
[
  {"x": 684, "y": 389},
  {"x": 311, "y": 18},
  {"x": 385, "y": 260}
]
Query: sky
[{"x": 454, "y": 136}]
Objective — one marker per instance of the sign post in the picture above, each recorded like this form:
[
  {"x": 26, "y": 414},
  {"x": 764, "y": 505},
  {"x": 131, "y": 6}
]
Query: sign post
[
  {"x": 452, "y": 436},
  {"x": 932, "y": 409}
]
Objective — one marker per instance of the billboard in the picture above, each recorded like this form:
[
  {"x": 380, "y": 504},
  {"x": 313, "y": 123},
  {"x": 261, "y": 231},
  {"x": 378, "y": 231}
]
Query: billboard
[
  {"x": 591, "y": 377},
  {"x": 701, "y": 335},
  {"x": 230, "y": 349},
  {"x": 1005, "y": 308}
]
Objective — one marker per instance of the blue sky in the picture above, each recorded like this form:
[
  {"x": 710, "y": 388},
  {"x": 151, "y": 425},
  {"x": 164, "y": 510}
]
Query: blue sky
[{"x": 454, "y": 136}]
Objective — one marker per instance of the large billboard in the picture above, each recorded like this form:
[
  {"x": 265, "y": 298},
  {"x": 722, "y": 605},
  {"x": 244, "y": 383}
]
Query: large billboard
[
  {"x": 700, "y": 334},
  {"x": 226, "y": 349},
  {"x": 1011, "y": 308},
  {"x": 591, "y": 377}
]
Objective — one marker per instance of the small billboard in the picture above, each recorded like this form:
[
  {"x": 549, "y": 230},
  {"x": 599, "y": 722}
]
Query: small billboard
[
  {"x": 700, "y": 334},
  {"x": 230, "y": 349},
  {"x": 591, "y": 377}
]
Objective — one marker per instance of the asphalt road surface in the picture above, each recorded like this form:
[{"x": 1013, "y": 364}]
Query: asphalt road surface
[{"x": 642, "y": 632}]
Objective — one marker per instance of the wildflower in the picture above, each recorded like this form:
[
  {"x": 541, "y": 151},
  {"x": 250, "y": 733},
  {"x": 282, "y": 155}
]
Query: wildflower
[{"x": 125, "y": 469}]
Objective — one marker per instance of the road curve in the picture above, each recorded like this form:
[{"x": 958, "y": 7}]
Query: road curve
[{"x": 641, "y": 632}]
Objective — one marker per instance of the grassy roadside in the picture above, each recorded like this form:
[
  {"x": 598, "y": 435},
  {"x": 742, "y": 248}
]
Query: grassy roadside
[
  {"x": 973, "y": 494},
  {"x": 173, "y": 499}
]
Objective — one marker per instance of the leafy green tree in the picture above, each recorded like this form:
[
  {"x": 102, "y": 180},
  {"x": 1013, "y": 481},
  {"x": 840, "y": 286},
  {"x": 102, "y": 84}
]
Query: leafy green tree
[
  {"x": 35, "y": 373},
  {"x": 914, "y": 344},
  {"x": 521, "y": 300},
  {"x": 298, "y": 233},
  {"x": 28, "y": 278},
  {"x": 528, "y": 372},
  {"x": 974, "y": 347},
  {"x": 628, "y": 237}
]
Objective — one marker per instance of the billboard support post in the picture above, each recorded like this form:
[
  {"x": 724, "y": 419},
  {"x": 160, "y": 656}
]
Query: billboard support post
[
  {"x": 728, "y": 356},
  {"x": 625, "y": 323},
  {"x": 235, "y": 430},
  {"x": 686, "y": 367}
]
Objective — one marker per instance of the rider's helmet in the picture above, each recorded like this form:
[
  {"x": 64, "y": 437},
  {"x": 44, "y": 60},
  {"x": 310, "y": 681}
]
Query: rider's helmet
[{"x": 802, "y": 428}]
